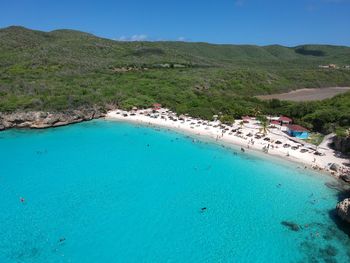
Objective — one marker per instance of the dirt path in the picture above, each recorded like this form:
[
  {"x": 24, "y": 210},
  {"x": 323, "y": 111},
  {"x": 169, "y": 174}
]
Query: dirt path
[{"x": 307, "y": 94}]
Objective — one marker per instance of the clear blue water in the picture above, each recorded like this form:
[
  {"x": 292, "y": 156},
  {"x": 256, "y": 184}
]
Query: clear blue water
[{"x": 115, "y": 192}]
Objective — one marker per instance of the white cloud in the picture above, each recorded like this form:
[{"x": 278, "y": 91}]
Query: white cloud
[
  {"x": 141, "y": 37},
  {"x": 136, "y": 37},
  {"x": 181, "y": 39}
]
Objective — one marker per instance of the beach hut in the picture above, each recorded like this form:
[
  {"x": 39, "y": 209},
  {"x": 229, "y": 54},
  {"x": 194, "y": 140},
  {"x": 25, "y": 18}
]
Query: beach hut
[
  {"x": 182, "y": 117},
  {"x": 297, "y": 131},
  {"x": 133, "y": 111},
  {"x": 157, "y": 106},
  {"x": 246, "y": 119},
  {"x": 285, "y": 120},
  {"x": 275, "y": 123}
]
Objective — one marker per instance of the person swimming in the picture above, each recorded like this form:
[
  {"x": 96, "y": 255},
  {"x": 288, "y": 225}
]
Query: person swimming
[{"x": 22, "y": 199}]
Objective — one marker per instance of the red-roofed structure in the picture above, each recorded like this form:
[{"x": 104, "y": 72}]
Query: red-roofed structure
[
  {"x": 285, "y": 120},
  {"x": 296, "y": 127},
  {"x": 275, "y": 123},
  {"x": 157, "y": 106},
  {"x": 297, "y": 131},
  {"x": 246, "y": 119}
]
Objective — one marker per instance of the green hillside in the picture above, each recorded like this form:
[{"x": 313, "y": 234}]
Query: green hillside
[{"x": 66, "y": 69}]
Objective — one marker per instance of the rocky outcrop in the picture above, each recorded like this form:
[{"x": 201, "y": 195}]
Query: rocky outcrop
[
  {"x": 345, "y": 178},
  {"x": 41, "y": 120},
  {"x": 343, "y": 210},
  {"x": 334, "y": 167},
  {"x": 342, "y": 144}
]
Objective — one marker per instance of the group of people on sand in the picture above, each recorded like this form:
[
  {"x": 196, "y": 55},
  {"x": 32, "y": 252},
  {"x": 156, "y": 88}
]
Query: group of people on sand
[{"x": 219, "y": 131}]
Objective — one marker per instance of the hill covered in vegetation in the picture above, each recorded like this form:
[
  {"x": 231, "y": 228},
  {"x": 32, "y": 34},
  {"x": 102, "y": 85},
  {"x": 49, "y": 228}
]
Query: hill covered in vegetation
[{"x": 67, "y": 69}]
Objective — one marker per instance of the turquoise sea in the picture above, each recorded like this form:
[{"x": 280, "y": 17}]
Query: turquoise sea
[{"x": 114, "y": 192}]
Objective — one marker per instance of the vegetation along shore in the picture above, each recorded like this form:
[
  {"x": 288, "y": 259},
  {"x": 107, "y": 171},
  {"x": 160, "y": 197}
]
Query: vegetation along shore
[{"x": 63, "y": 71}]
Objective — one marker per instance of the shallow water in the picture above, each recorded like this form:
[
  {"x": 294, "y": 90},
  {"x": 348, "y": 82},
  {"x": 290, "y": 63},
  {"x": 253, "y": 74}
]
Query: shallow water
[{"x": 114, "y": 192}]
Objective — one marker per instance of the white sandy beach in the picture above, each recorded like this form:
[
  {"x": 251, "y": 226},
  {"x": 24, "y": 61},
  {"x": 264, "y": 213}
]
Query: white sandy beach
[{"x": 276, "y": 142}]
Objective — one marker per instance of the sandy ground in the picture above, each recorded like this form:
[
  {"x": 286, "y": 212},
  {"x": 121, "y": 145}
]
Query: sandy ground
[
  {"x": 307, "y": 94},
  {"x": 243, "y": 137}
]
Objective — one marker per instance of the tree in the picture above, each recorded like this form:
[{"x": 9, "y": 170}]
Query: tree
[
  {"x": 264, "y": 124},
  {"x": 275, "y": 103},
  {"x": 227, "y": 119}
]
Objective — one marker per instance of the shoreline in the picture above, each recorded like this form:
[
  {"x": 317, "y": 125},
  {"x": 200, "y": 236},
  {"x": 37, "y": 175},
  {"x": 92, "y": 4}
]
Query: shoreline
[
  {"x": 230, "y": 146},
  {"x": 194, "y": 127},
  {"x": 204, "y": 130}
]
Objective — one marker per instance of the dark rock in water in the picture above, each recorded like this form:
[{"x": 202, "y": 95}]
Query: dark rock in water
[
  {"x": 343, "y": 210},
  {"x": 337, "y": 186},
  {"x": 291, "y": 225},
  {"x": 327, "y": 237},
  {"x": 345, "y": 178},
  {"x": 329, "y": 251}
]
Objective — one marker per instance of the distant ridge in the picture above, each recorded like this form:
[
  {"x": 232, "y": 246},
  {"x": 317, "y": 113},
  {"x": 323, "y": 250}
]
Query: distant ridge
[{"x": 199, "y": 53}]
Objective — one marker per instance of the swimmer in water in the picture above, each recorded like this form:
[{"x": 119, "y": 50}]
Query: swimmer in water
[{"x": 22, "y": 199}]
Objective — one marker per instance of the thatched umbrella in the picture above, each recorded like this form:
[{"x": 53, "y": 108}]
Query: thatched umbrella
[{"x": 182, "y": 117}]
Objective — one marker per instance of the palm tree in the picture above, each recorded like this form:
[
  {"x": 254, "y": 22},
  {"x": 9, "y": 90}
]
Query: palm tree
[
  {"x": 264, "y": 126},
  {"x": 256, "y": 111}
]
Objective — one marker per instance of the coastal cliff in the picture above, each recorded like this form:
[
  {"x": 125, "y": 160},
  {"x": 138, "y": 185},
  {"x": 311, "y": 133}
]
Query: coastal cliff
[
  {"x": 41, "y": 120},
  {"x": 342, "y": 144}
]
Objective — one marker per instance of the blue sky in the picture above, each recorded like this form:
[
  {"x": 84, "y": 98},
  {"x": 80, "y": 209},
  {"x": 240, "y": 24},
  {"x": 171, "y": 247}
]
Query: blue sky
[{"x": 217, "y": 21}]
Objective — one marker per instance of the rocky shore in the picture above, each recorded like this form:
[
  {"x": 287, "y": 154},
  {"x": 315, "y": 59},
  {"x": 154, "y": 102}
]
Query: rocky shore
[
  {"x": 343, "y": 210},
  {"x": 342, "y": 144},
  {"x": 41, "y": 119}
]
